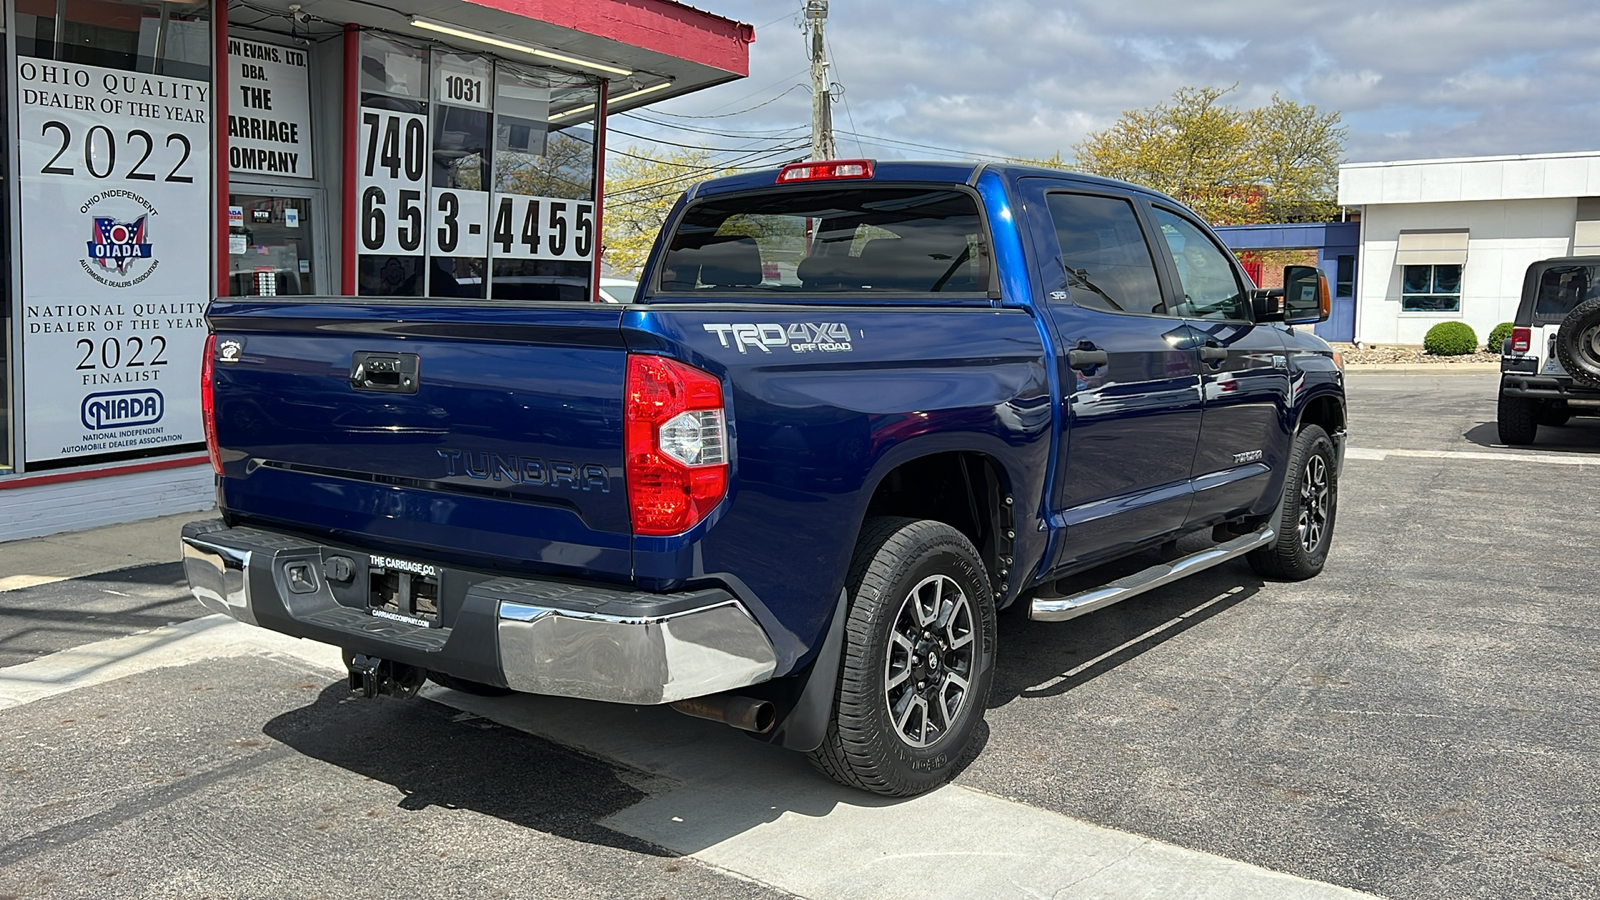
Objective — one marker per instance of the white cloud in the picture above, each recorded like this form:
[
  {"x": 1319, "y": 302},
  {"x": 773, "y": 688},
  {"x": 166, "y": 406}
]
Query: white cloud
[{"x": 1030, "y": 77}]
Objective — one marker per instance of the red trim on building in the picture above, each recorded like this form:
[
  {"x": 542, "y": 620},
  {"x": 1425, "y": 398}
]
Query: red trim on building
[
  {"x": 352, "y": 114},
  {"x": 600, "y": 183},
  {"x": 219, "y": 113},
  {"x": 667, "y": 28},
  {"x": 175, "y": 462}
]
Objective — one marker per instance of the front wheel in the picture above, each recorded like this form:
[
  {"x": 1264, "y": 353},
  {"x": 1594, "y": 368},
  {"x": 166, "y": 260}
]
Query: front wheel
[
  {"x": 1310, "y": 503},
  {"x": 918, "y": 659}
]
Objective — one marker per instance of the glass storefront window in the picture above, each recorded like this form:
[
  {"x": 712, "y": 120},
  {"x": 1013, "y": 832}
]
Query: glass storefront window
[
  {"x": 270, "y": 246},
  {"x": 157, "y": 38},
  {"x": 115, "y": 227},
  {"x": 475, "y": 177}
]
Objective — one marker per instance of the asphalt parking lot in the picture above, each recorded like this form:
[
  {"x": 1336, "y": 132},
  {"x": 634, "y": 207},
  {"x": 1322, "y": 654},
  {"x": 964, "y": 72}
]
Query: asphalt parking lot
[{"x": 1417, "y": 722}]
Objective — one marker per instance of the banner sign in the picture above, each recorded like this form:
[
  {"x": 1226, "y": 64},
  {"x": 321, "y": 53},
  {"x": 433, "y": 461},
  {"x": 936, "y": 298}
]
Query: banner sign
[
  {"x": 269, "y": 110},
  {"x": 115, "y": 173}
]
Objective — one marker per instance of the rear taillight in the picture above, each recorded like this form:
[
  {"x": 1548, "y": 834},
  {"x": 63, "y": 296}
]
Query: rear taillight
[
  {"x": 1521, "y": 339},
  {"x": 208, "y": 405},
  {"x": 676, "y": 440},
  {"x": 827, "y": 170}
]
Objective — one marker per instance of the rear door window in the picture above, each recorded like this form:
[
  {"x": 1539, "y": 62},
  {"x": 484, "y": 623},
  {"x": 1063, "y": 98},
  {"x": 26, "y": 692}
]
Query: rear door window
[
  {"x": 1105, "y": 254},
  {"x": 875, "y": 240}
]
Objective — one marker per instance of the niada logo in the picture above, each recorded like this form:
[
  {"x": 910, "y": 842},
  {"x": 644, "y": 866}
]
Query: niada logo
[
  {"x": 122, "y": 409},
  {"x": 119, "y": 250}
]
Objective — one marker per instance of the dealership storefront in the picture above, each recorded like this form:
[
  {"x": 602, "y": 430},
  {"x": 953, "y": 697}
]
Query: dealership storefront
[{"x": 165, "y": 153}]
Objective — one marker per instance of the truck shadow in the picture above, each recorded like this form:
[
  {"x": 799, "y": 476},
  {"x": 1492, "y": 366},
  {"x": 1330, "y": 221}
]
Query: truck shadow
[
  {"x": 438, "y": 756},
  {"x": 1047, "y": 659},
  {"x": 652, "y": 781},
  {"x": 1579, "y": 435}
]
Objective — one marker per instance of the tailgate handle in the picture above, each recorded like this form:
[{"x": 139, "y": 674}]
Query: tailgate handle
[{"x": 393, "y": 373}]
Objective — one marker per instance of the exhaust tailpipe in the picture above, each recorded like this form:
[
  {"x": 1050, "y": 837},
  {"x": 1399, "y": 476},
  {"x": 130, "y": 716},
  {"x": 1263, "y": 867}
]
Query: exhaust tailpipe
[{"x": 743, "y": 713}]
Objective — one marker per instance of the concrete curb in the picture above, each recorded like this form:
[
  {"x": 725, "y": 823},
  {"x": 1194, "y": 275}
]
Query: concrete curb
[{"x": 1421, "y": 368}]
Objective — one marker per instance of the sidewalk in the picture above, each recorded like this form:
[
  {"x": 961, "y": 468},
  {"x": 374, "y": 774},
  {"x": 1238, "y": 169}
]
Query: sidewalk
[
  {"x": 1420, "y": 368},
  {"x": 58, "y": 557}
]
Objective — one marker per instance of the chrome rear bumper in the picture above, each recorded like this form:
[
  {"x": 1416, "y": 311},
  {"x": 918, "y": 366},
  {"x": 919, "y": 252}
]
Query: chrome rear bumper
[{"x": 544, "y": 637}]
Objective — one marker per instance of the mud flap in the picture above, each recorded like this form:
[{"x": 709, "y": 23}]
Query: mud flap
[{"x": 808, "y": 698}]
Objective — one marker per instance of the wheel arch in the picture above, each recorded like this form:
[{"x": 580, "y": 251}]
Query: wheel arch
[
  {"x": 1326, "y": 410},
  {"x": 971, "y": 491}
]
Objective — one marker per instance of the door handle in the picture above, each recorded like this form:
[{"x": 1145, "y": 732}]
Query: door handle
[
  {"x": 1214, "y": 354},
  {"x": 390, "y": 373},
  {"x": 1086, "y": 359}
]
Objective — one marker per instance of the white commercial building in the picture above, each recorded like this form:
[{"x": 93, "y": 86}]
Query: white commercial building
[{"x": 1449, "y": 239}]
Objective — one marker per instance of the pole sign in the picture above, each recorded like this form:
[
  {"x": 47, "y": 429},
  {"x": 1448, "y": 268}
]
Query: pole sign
[
  {"x": 269, "y": 110},
  {"x": 115, "y": 176}
]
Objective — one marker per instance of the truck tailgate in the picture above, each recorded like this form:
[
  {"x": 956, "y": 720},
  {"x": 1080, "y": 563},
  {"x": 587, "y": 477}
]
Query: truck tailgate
[{"x": 482, "y": 436}]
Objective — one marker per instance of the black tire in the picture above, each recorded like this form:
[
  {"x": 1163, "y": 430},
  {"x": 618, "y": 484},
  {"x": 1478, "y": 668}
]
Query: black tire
[
  {"x": 476, "y": 688},
  {"x": 1578, "y": 343},
  {"x": 882, "y": 736},
  {"x": 1554, "y": 416},
  {"x": 1310, "y": 505},
  {"x": 1517, "y": 419}
]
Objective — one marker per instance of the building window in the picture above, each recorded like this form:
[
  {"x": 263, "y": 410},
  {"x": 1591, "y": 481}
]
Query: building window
[
  {"x": 1431, "y": 289},
  {"x": 1345, "y": 277}
]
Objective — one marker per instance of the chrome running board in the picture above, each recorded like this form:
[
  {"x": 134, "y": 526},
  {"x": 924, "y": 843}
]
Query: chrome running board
[{"x": 1060, "y": 608}]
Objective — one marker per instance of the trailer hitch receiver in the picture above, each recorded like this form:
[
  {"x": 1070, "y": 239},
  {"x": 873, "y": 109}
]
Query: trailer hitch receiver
[{"x": 371, "y": 677}]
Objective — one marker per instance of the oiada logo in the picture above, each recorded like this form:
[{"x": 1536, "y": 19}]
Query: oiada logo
[
  {"x": 119, "y": 250},
  {"x": 122, "y": 409}
]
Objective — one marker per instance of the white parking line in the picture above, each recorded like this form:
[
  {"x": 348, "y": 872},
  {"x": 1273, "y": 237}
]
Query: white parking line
[
  {"x": 757, "y": 811},
  {"x": 1365, "y": 453}
]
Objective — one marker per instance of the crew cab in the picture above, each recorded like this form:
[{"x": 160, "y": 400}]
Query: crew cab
[{"x": 854, "y": 410}]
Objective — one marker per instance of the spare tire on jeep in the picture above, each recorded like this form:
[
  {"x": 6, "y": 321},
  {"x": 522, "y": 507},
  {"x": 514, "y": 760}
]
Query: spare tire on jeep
[{"x": 1578, "y": 343}]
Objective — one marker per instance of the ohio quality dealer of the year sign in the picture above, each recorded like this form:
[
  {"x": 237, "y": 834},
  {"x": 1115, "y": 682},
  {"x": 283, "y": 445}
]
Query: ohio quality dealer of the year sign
[{"x": 114, "y": 171}]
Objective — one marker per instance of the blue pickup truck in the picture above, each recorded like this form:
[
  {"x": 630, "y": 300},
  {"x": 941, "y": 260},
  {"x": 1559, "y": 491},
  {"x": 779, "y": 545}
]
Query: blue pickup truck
[{"x": 855, "y": 410}]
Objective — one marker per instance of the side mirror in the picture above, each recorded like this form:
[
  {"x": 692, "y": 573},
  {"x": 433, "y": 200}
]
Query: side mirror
[
  {"x": 1267, "y": 305},
  {"x": 1306, "y": 297}
]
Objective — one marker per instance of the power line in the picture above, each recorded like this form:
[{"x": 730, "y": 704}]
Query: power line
[
  {"x": 784, "y": 132},
  {"x": 844, "y": 95},
  {"x": 761, "y": 90},
  {"x": 615, "y": 130},
  {"x": 792, "y": 87},
  {"x": 730, "y": 164},
  {"x": 885, "y": 142}
]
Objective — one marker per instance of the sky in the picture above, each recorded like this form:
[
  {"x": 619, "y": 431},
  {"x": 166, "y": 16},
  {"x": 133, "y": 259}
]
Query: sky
[{"x": 1411, "y": 80}]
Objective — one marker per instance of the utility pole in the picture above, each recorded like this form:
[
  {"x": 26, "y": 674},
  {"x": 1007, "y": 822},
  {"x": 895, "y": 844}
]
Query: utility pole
[{"x": 821, "y": 103}]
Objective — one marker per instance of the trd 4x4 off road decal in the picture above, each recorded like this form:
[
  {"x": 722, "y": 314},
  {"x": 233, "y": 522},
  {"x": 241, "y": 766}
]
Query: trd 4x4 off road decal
[{"x": 801, "y": 337}]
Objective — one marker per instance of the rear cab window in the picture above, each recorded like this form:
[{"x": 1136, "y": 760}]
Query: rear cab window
[{"x": 889, "y": 240}]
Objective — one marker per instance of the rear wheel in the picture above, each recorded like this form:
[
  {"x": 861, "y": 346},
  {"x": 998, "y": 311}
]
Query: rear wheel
[
  {"x": 1310, "y": 503},
  {"x": 918, "y": 659},
  {"x": 1517, "y": 419}
]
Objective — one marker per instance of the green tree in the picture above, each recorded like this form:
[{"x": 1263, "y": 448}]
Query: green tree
[
  {"x": 641, "y": 186},
  {"x": 1277, "y": 162}
]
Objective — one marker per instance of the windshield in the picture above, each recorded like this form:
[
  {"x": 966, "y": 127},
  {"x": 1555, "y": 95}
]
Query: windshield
[
  {"x": 1563, "y": 287},
  {"x": 906, "y": 240}
]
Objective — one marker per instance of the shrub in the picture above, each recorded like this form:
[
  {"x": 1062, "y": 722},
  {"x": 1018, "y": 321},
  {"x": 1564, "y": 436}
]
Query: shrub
[
  {"x": 1450, "y": 339},
  {"x": 1498, "y": 336}
]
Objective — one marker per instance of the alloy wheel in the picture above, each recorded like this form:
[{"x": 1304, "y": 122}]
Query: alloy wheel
[{"x": 928, "y": 672}]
